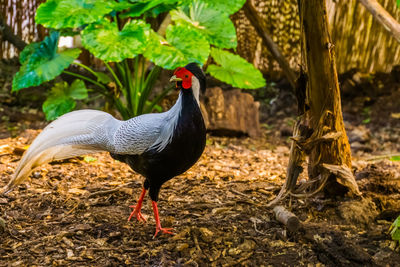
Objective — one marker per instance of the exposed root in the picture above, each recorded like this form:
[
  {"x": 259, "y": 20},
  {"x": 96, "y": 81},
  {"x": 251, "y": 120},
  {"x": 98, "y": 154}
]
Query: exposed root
[{"x": 303, "y": 143}]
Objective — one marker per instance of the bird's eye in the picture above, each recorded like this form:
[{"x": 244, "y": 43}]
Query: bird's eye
[{"x": 186, "y": 76}]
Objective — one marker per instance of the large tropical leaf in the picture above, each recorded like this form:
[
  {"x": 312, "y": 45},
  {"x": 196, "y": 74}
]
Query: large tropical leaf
[
  {"x": 108, "y": 43},
  {"x": 123, "y": 4},
  {"x": 211, "y": 22},
  {"x": 62, "y": 98},
  {"x": 163, "y": 54},
  {"x": 229, "y": 7},
  {"x": 60, "y": 14},
  {"x": 27, "y": 52},
  {"x": 235, "y": 70},
  {"x": 41, "y": 62},
  {"x": 139, "y": 7},
  {"x": 182, "y": 46}
]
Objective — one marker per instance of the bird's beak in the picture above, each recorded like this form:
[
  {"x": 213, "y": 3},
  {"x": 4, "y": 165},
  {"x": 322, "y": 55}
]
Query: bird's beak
[{"x": 175, "y": 79}]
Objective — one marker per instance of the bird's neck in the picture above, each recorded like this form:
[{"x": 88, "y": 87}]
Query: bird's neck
[
  {"x": 196, "y": 90},
  {"x": 185, "y": 105},
  {"x": 186, "y": 100}
]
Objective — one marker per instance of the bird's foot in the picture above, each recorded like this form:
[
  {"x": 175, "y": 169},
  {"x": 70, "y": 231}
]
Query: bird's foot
[
  {"x": 163, "y": 230},
  {"x": 136, "y": 212}
]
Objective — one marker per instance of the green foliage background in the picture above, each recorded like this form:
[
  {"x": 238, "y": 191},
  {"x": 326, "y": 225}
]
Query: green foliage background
[{"x": 122, "y": 34}]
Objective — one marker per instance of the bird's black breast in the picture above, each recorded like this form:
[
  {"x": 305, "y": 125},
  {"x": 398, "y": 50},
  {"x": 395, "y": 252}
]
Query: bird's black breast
[{"x": 185, "y": 148}]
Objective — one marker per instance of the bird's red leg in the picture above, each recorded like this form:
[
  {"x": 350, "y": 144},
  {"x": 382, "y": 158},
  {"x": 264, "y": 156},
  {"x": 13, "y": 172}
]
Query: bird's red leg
[
  {"x": 158, "y": 223},
  {"x": 136, "y": 211}
]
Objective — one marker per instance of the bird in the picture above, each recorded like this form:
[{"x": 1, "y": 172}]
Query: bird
[{"x": 159, "y": 146}]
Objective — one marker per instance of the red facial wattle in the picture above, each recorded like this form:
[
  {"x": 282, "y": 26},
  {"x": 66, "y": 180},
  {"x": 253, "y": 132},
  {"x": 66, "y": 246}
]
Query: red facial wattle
[{"x": 186, "y": 77}]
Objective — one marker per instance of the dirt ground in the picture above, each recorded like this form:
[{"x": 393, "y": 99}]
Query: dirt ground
[{"x": 74, "y": 212}]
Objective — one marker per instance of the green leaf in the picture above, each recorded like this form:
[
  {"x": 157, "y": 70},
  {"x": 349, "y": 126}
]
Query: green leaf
[
  {"x": 42, "y": 63},
  {"x": 58, "y": 103},
  {"x": 158, "y": 108},
  {"x": 230, "y": 7},
  {"x": 106, "y": 42},
  {"x": 77, "y": 90},
  {"x": 182, "y": 46},
  {"x": 122, "y": 5},
  {"x": 89, "y": 159},
  {"x": 102, "y": 77},
  {"x": 61, "y": 98},
  {"x": 140, "y": 7},
  {"x": 164, "y": 7},
  {"x": 395, "y": 224},
  {"x": 395, "y": 230},
  {"x": 27, "y": 52},
  {"x": 54, "y": 107},
  {"x": 235, "y": 70},
  {"x": 59, "y": 14},
  {"x": 398, "y": 3},
  {"x": 396, "y": 235},
  {"x": 190, "y": 42},
  {"x": 211, "y": 22},
  {"x": 161, "y": 53},
  {"x": 395, "y": 158},
  {"x": 366, "y": 121}
]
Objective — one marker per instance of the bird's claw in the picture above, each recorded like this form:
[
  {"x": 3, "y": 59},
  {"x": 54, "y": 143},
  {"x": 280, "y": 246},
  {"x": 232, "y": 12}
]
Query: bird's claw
[
  {"x": 163, "y": 230},
  {"x": 136, "y": 212}
]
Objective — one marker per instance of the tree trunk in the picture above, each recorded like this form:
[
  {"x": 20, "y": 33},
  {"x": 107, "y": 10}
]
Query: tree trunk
[
  {"x": 327, "y": 144},
  {"x": 319, "y": 132}
]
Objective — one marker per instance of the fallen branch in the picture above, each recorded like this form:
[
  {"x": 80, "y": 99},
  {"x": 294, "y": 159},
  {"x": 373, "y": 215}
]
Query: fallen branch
[
  {"x": 383, "y": 17},
  {"x": 105, "y": 192},
  {"x": 109, "y": 191},
  {"x": 287, "y": 218}
]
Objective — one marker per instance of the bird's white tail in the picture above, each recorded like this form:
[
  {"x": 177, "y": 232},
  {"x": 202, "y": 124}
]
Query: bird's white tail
[{"x": 73, "y": 134}]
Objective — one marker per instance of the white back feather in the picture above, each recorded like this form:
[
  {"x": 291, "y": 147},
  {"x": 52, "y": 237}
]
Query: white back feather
[{"x": 64, "y": 138}]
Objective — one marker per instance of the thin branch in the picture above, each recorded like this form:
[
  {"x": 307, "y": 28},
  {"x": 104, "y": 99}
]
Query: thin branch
[
  {"x": 383, "y": 17},
  {"x": 7, "y": 34}
]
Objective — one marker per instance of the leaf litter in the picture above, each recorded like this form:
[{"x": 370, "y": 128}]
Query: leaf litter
[{"x": 74, "y": 212}]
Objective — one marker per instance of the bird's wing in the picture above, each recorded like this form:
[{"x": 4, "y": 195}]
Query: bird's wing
[
  {"x": 84, "y": 132},
  {"x": 138, "y": 134}
]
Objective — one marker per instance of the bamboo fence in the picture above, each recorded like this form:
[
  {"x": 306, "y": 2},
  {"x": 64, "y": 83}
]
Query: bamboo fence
[{"x": 360, "y": 41}]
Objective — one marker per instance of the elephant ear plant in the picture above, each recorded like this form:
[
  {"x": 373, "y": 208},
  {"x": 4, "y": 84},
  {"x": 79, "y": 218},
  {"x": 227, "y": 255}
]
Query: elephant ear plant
[{"x": 122, "y": 35}]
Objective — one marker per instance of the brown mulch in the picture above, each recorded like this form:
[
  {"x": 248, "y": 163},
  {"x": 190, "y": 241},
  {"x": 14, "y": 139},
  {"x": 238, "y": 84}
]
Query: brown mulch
[{"x": 75, "y": 212}]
